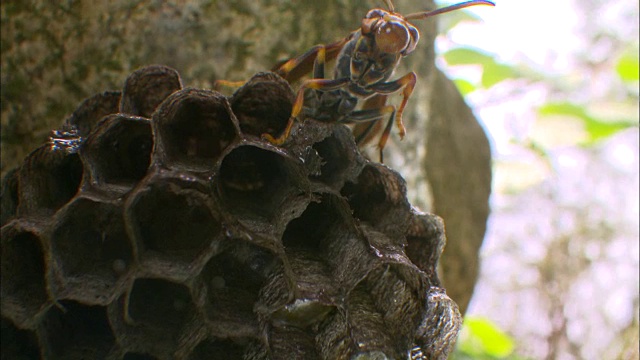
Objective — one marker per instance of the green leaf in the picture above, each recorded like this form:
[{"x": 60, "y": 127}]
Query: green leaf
[
  {"x": 491, "y": 340},
  {"x": 493, "y": 72},
  {"x": 465, "y": 87},
  {"x": 467, "y": 56},
  {"x": 597, "y": 129},
  {"x": 628, "y": 67}
]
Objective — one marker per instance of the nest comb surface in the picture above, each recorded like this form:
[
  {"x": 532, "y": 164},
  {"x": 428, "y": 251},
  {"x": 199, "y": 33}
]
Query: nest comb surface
[{"x": 157, "y": 224}]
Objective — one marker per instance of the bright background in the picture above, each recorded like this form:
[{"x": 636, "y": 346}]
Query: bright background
[{"x": 555, "y": 84}]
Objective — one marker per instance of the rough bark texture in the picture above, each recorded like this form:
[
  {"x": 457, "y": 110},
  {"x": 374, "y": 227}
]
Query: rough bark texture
[{"x": 56, "y": 54}]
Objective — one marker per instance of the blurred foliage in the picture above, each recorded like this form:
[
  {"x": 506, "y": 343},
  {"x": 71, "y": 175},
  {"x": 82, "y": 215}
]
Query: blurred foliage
[
  {"x": 495, "y": 72},
  {"x": 481, "y": 339},
  {"x": 597, "y": 129}
]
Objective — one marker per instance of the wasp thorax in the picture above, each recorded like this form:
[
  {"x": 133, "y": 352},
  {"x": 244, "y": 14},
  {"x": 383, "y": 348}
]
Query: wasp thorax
[{"x": 392, "y": 38}]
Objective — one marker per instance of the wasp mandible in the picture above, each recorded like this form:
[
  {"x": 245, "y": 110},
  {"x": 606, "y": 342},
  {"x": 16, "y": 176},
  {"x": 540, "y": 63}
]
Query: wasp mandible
[{"x": 365, "y": 60}]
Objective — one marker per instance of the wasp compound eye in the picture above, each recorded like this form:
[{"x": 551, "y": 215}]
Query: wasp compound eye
[{"x": 392, "y": 38}]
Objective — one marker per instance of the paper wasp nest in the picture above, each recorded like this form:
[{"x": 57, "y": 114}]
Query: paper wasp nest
[{"x": 163, "y": 227}]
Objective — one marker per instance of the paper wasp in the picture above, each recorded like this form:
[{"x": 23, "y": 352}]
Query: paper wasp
[{"x": 365, "y": 60}]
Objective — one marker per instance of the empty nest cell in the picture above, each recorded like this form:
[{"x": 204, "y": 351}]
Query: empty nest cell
[
  {"x": 72, "y": 330},
  {"x": 90, "y": 249},
  {"x": 118, "y": 151},
  {"x": 146, "y": 88},
  {"x": 171, "y": 222},
  {"x": 232, "y": 281},
  {"x": 157, "y": 318},
  {"x": 256, "y": 181},
  {"x": 263, "y": 105},
  {"x": 48, "y": 179},
  {"x": 23, "y": 275},
  {"x": 378, "y": 197},
  {"x": 16, "y": 343},
  {"x": 192, "y": 129},
  {"x": 92, "y": 109}
]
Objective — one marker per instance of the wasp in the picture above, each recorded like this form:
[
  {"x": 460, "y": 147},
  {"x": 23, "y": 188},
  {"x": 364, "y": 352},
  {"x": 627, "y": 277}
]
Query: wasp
[{"x": 365, "y": 62}]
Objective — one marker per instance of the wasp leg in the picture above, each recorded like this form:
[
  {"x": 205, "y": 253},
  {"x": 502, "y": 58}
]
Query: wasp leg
[
  {"x": 374, "y": 115},
  {"x": 315, "y": 84},
  {"x": 218, "y": 84},
  {"x": 406, "y": 83},
  {"x": 295, "y": 68}
]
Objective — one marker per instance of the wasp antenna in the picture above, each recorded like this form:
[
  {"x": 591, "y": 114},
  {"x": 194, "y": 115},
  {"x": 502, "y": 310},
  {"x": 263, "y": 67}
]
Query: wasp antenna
[
  {"x": 390, "y": 5},
  {"x": 424, "y": 15}
]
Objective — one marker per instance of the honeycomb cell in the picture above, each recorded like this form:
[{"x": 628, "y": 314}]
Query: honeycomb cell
[
  {"x": 118, "y": 151},
  {"x": 232, "y": 281},
  {"x": 92, "y": 109},
  {"x": 48, "y": 179},
  {"x": 157, "y": 318},
  {"x": 378, "y": 197},
  {"x": 146, "y": 88},
  {"x": 425, "y": 243},
  {"x": 333, "y": 339},
  {"x": 24, "y": 268},
  {"x": 17, "y": 344},
  {"x": 219, "y": 349},
  {"x": 340, "y": 159},
  {"x": 192, "y": 128},
  {"x": 173, "y": 224},
  {"x": 91, "y": 251},
  {"x": 9, "y": 196},
  {"x": 71, "y": 330},
  {"x": 321, "y": 224},
  {"x": 316, "y": 292},
  {"x": 263, "y": 104},
  {"x": 256, "y": 181}
]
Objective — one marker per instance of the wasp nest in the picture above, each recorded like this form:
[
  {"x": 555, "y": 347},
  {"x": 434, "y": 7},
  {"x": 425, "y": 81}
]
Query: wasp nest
[{"x": 157, "y": 224}]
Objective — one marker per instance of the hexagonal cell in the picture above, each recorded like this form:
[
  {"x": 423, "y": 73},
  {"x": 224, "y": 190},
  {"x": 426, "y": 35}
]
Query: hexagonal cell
[
  {"x": 157, "y": 318},
  {"x": 48, "y": 179},
  {"x": 174, "y": 226},
  {"x": 17, "y": 344},
  {"x": 92, "y": 109},
  {"x": 317, "y": 293},
  {"x": 219, "y": 349},
  {"x": 341, "y": 160},
  {"x": 91, "y": 251},
  {"x": 263, "y": 104},
  {"x": 192, "y": 128},
  {"x": 75, "y": 331},
  {"x": 378, "y": 197},
  {"x": 321, "y": 224},
  {"x": 9, "y": 195},
  {"x": 147, "y": 87},
  {"x": 232, "y": 281},
  {"x": 118, "y": 151},
  {"x": 256, "y": 181},
  {"x": 425, "y": 243},
  {"x": 23, "y": 275}
]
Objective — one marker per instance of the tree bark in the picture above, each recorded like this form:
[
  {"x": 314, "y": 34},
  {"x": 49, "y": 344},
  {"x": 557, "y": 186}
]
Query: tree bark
[{"x": 56, "y": 54}]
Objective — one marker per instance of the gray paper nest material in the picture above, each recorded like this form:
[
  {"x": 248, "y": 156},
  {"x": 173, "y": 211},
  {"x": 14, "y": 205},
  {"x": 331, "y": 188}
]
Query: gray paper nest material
[{"x": 176, "y": 232}]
